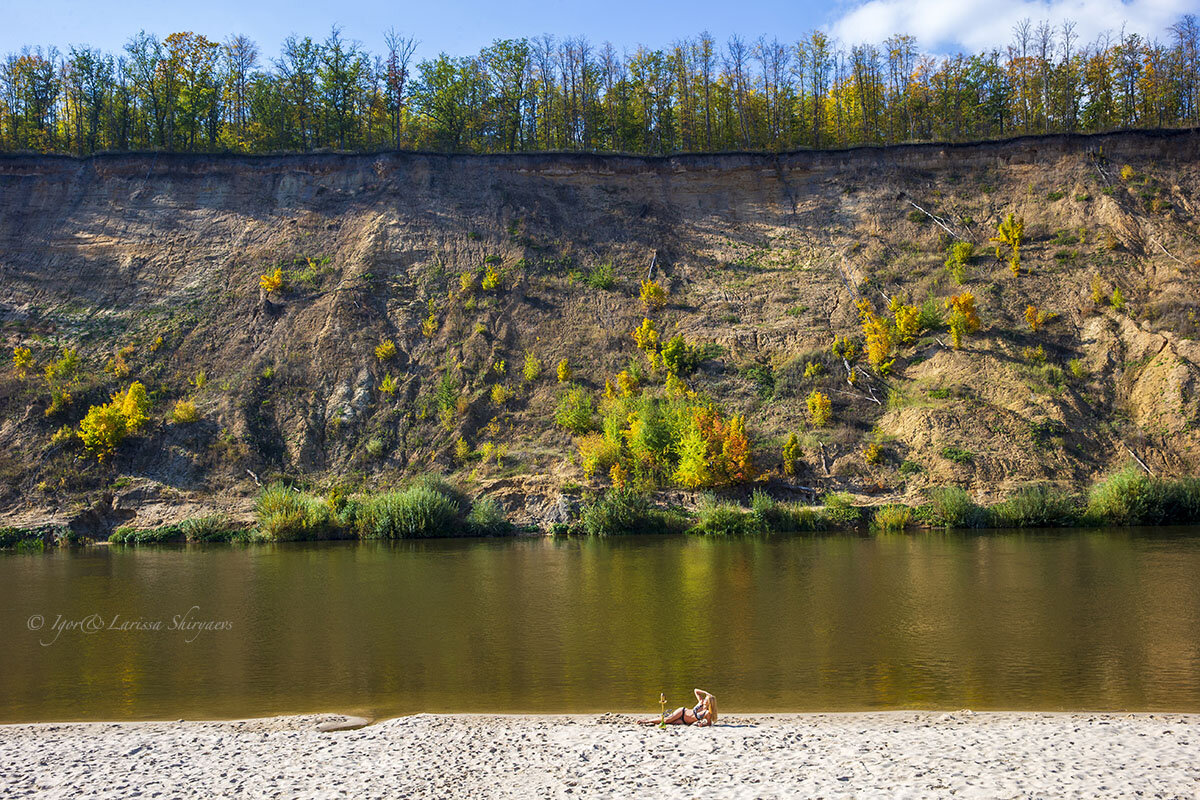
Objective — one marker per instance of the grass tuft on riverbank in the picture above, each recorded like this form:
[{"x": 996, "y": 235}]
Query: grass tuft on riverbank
[
  {"x": 213, "y": 528},
  {"x": 891, "y": 519},
  {"x": 428, "y": 507},
  {"x": 286, "y": 514},
  {"x": 1036, "y": 506},
  {"x": 718, "y": 518},
  {"x": 619, "y": 512},
  {"x": 1131, "y": 497},
  {"x": 952, "y": 507},
  {"x": 22, "y": 540},
  {"x": 780, "y": 517}
]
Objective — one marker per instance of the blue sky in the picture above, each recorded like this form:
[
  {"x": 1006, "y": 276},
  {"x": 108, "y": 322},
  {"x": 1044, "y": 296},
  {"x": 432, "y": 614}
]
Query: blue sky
[{"x": 463, "y": 26}]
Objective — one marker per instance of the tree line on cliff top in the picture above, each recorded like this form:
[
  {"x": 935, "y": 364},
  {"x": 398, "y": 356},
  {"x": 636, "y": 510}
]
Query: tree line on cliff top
[{"x": 189, "y": 93}]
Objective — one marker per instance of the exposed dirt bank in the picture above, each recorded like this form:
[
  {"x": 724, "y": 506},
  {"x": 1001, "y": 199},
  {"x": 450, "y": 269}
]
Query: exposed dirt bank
[{"x": 149, "y": 266}]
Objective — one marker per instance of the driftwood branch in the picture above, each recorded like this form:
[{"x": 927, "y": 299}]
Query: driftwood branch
[
  {"x": 1098, "y": 161},
  {"x": 870, "y": 397},
  {"x": 257, "y": 482},
  {"x": 1135, "y": 458},
  {"x": 867, "y": 386},
  {"x": 938, "y": 221},
  {"x": 650, "y": 272},
  {"x": 1168, "y": 254}
]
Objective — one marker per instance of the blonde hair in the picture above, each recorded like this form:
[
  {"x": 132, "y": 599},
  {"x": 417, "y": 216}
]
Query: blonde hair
[{"x": 712, "y": 710}]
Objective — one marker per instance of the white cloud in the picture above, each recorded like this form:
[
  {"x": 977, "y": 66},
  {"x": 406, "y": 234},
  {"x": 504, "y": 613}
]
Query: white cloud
[{"x": 976, "y": 25}]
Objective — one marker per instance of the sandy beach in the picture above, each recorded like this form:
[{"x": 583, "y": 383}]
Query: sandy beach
[{"x": 887, "y": 754}]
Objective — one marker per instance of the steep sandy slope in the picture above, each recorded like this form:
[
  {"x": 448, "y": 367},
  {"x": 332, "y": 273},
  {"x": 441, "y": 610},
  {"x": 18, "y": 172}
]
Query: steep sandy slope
[{"x": 763, "y": 255}]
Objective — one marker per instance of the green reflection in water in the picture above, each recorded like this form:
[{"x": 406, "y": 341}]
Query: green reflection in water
[{"x": 1076, "y": 620}]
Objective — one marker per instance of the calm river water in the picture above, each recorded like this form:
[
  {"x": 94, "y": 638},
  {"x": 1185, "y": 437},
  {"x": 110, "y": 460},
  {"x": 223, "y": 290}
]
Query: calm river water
[{"x": 1062, "y": 620}]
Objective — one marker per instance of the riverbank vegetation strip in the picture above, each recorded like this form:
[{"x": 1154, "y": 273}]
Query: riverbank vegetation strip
[{"x": 432, "y": 507}]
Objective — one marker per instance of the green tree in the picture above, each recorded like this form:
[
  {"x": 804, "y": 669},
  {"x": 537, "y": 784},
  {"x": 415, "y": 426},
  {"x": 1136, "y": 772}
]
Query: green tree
[
  {"x": 191, "y": 72},
  {"x": 448, "y": 93},
  {"x": 507, "y": 62},
  {"x": 146, "y": 60},
  {"x": 88, "y": 76},
  {"x": 341, "y": 71},
  {"x": 298, "y": 91}
]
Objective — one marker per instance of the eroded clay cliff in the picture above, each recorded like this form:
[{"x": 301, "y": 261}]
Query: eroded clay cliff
[{"x": 149, "y": 266}]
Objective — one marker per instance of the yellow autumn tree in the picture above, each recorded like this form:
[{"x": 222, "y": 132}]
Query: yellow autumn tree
[
  {"x": 845, "y": 348},
  {"x": 429, "y": 327},
  {"x": 619, "y": 476},
  {"x": 653, "y": 295},
  {"x": 501, "y": 394},
  {"x": 22, "y": 361},
  {"x": 104, "y": 427},
  {"x": 646, "y": 336},
  {"x": 185, "y": 412},
  {"x": 964, "y": 319},
  {"x": 907, "y": 319},
  {"x": 1034, "y": 317},
  {"x": 134, "y": 405},
  {"x": 627, "y": 385},
  {"x": 385, "y": 350},
  {"x": 271, "y": 281},
  {"x": 532, "y": 370},
  {"x": 959, "y": 257},
  {"x": 820, "y": 409},
  {"x": 878, "y": 335},
  {"x": 597, "y": 454},
  {"x": 676, "y": 355},
  {"x": 675, "y": 387},
  {"x": 491, "y": 279},
  {"x": 1010, "y": 234},
  {"x": 736, "y": 452}
]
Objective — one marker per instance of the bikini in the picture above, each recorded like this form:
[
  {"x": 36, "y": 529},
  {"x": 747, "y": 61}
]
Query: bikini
[{"x": 698, "y": 711}]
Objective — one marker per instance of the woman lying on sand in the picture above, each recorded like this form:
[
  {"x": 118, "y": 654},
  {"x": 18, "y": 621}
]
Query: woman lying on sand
[{"x": 704, "y": 714}]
